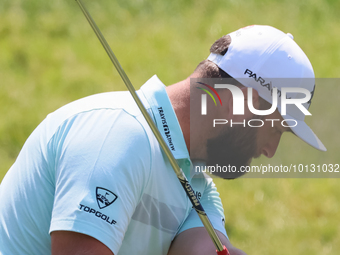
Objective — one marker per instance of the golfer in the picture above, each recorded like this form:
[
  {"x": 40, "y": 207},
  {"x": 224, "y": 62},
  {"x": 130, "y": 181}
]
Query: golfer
[{"x": 92, "y": 178}]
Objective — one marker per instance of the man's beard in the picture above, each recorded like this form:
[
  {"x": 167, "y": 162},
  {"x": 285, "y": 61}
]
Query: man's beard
[{"x": 235, "y": 147}]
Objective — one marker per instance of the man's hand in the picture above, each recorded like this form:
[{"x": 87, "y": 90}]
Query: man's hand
[
  {"x": 196, "y": 241},
  {"x": 72, "y": 243}
]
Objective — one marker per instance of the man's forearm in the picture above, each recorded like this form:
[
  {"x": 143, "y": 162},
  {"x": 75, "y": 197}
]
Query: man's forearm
[{"x": 196, "y": 241}]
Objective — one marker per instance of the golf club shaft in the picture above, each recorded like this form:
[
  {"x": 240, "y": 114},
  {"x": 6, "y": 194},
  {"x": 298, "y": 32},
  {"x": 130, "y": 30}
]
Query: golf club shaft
[{"x": 185, "y": 183}]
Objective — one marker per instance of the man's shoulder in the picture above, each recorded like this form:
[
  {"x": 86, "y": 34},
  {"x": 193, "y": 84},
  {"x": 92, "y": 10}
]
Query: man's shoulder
[
  {"x": 102, "y": 101},
  {"x": 95, "y": 110}
]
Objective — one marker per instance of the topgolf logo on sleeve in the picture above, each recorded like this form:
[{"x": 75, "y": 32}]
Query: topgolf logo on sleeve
[{"x": 105, "y": 197}]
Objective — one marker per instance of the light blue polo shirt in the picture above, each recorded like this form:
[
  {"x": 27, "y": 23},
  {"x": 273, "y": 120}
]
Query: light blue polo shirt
[{"x": 94, "y": 167}]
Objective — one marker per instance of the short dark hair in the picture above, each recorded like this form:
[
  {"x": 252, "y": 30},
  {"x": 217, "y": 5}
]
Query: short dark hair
[{"x": 208, "y": 69}]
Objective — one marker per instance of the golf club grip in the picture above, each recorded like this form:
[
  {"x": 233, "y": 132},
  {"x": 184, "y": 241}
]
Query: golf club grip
[
  {"x": 185, "y": 183},
  {"x": 223, "y": 252}
]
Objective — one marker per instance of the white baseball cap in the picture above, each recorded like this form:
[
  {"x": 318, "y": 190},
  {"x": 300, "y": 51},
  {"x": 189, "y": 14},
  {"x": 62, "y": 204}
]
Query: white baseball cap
[{"x": 263, "y": 57}]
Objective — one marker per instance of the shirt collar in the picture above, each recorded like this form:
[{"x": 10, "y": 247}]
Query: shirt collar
[{"x": 157, "y": 99}]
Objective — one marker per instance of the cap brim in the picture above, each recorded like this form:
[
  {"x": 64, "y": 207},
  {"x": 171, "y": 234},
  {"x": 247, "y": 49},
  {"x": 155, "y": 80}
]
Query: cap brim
[{"x": 303, "y": 131}]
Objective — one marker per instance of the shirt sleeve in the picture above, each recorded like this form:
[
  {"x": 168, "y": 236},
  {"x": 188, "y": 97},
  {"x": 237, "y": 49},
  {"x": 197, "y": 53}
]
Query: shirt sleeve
[
  {"x": 102, "y": 164},
  {"x": 211, "y": 203}
]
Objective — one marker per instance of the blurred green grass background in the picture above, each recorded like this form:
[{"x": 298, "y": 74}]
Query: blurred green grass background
[{"x": 49, "y": 56}]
